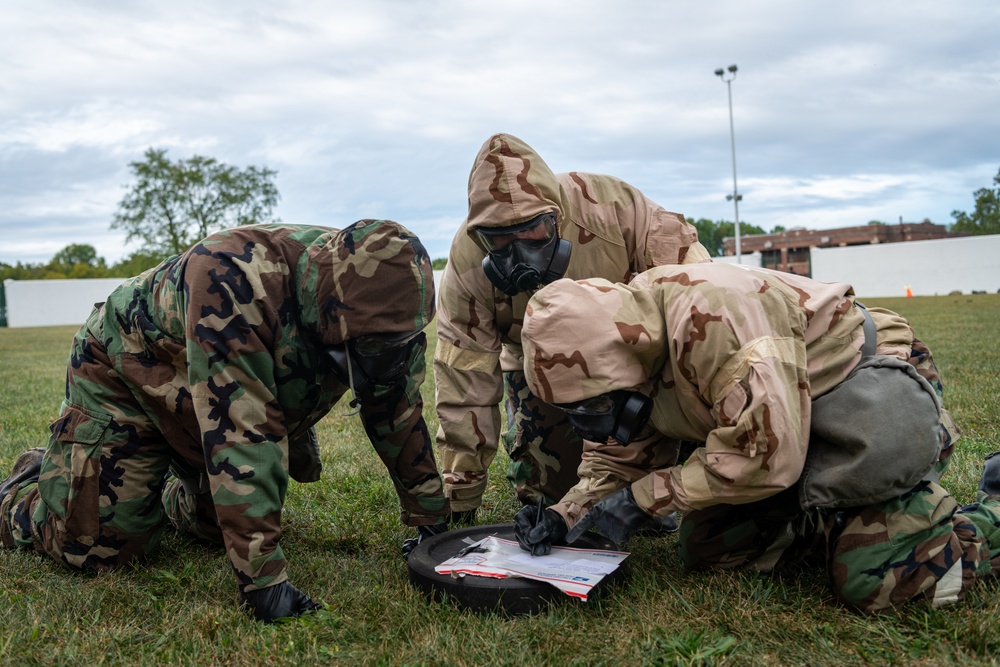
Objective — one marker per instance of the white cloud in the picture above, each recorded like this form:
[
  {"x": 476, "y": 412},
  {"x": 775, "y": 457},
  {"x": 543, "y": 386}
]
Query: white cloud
[
  {"x": 843, "y": 112},
  {"x": 98, "y": 125}
]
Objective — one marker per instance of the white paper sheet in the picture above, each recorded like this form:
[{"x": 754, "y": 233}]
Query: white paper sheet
[{"x": 573, "y": 571}]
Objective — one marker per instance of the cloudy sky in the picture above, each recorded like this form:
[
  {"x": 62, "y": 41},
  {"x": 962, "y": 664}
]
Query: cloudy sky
[{"x": 844, "y": 112}]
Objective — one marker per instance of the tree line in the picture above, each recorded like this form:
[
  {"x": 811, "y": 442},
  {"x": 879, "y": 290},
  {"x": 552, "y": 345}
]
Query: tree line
[
  {"x": 80, "y": 260},
  {"x": 171, "y": 205}
]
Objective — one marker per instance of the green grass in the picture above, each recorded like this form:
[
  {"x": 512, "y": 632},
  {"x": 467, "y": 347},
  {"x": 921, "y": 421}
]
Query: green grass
[{"x": 342, "y": 537}]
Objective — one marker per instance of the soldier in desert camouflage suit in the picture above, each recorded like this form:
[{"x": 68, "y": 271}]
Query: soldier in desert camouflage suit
[
  {"x": 613, "y": 231},
  {"x": 215, "y": 365},
  {"x": 738, "y": 359}
]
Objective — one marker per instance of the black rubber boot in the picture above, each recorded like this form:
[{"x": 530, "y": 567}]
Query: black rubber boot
[
  {"x": 661, "y": 526},
  {"x": 26, "y": 468},
  {"x": 464, "y": 518},
  {"x": 990, "y": 483}
]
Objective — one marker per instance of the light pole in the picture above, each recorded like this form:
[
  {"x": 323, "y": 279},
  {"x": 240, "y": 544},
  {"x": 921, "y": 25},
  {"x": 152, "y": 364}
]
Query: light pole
[{"x": 736, "y": 196}]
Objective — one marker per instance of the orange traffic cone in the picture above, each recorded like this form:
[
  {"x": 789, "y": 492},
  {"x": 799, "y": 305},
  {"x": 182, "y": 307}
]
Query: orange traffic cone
[{"x": 909, "y": 292}]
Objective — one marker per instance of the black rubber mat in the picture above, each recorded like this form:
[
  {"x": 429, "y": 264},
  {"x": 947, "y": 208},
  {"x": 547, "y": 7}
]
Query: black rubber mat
[{"x": 509, "y": 596}]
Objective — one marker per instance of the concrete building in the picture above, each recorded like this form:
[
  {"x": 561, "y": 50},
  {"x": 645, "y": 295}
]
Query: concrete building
[{"x": 789, "y": 250}]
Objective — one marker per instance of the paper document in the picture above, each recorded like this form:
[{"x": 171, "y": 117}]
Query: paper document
[{"x": 573, "y": 571}]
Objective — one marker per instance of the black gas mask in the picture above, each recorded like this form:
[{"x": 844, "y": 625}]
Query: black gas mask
[
  {"x": 620, "y": 414},
  {"x": 522, "y": 257},
  {"x": 365, "y": 362}
]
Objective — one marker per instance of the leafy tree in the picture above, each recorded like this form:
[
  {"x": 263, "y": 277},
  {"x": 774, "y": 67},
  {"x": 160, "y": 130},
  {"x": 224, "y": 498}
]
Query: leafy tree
[
  {"x": 66, "y": 264},
  {"x": 21, "y": 271},
  {"x": 172, "y": 205},
  {"x": 73, "y": 261},
  {"x": 135, "y": 264},
  {"x": 728, "y": 229},
  {"x": 77, "y": 253},
  {"x": 778, "y": 229},
  {"x": 708, "y": 235},
  {"x": 439, "y": 263},
  {"x": 711, "y": 234},
  {"x": 78, "y": 260},
  {"x": 985, "y": 219}
]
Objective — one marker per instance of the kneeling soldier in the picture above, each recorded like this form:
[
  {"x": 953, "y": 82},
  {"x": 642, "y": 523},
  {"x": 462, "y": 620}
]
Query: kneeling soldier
[
  {"x": 815, "y": 419},
  {"x": 191, "y": 394}
]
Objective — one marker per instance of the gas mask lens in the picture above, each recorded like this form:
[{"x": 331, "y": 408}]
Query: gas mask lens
[
  {"x": 535, "y": 232},
  {"x": 383, "y": 357},
  {"x": 376, "y": 359},
  {"x": 596, "y": 406},
  {"x": 620, "y": 414},
  {"x": 592, "y": 418}
]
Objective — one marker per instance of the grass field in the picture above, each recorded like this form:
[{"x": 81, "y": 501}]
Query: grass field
[{"x": 342, "y": 538}]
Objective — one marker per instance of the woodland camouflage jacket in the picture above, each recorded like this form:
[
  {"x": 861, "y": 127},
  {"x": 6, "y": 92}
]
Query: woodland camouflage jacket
[
  {"x": 732, "y": 357},
  {"x": 243, "y": 317},
  {"x": 615, "y": 232}
]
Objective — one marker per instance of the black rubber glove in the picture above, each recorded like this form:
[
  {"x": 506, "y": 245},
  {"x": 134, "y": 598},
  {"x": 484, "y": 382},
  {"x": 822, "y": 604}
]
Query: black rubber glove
[
  {"x": 539, "y": 537},
  {"x": 423, "y": 532},
  {"x": 661, "y": 526},
  {"x": 618, "y": 517},
  {"x": 990, "y": 483},
  {"x": 280, "y": 601}
]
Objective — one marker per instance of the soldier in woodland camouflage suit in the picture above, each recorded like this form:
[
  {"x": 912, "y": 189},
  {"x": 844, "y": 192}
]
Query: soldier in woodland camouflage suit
[
  {"x": 742, "y": 360},
  {"x": 215, "y": 366},
  {"x": 528, "y": 226}
]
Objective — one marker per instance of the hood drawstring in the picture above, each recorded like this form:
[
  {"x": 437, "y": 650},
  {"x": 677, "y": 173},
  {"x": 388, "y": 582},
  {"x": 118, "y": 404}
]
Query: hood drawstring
[{"x": 355, "y": 402}]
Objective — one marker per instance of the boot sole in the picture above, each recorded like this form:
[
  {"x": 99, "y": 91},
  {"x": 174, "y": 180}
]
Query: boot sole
[{"x": 28, "y": 466}]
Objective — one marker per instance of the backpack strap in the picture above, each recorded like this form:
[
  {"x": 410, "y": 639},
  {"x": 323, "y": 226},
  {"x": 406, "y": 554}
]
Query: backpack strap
[{"x": 870, "y": 336}]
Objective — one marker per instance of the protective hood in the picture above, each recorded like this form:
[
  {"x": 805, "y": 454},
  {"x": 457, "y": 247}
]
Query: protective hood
[
  {"x": 587, "y": 337},
  {"x": 372, "y": 277},
  {"x": 509, "y": 184}
]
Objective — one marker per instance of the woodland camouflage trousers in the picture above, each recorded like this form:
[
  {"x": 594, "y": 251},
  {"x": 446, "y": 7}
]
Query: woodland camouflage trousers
[
  {"x": 921, "y": 545},
  {"x": 97, "y": 503},
  {"x": 544, "y": 449}
]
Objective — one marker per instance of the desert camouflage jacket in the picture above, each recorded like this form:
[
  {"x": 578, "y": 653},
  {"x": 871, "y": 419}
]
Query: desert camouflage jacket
[
  {"x": 243, "y": 317},
  {"x": 732, "y": 357},
  {"x": 615, "y": 231}
]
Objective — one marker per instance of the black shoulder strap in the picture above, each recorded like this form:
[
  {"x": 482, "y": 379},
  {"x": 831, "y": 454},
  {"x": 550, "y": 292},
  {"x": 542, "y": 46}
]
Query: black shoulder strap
[{"x": 870, "y": 337}]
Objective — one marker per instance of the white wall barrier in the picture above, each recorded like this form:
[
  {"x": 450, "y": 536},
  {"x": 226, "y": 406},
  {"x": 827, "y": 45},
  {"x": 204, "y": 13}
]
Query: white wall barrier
[
  {"x": 437, "y": 281},
  {"x": 926, "y": 268},
  {"x": 746, "y": 259},
  {"x": 45, "y": 303}
]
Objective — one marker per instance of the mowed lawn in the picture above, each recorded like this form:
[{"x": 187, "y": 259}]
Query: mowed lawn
[{"x": 342, "y": 538}]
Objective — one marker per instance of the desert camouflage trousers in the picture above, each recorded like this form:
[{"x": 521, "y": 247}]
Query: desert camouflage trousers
[
  {"x": 544, "y": 449},
  {"x": 921, "y": 545}
]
